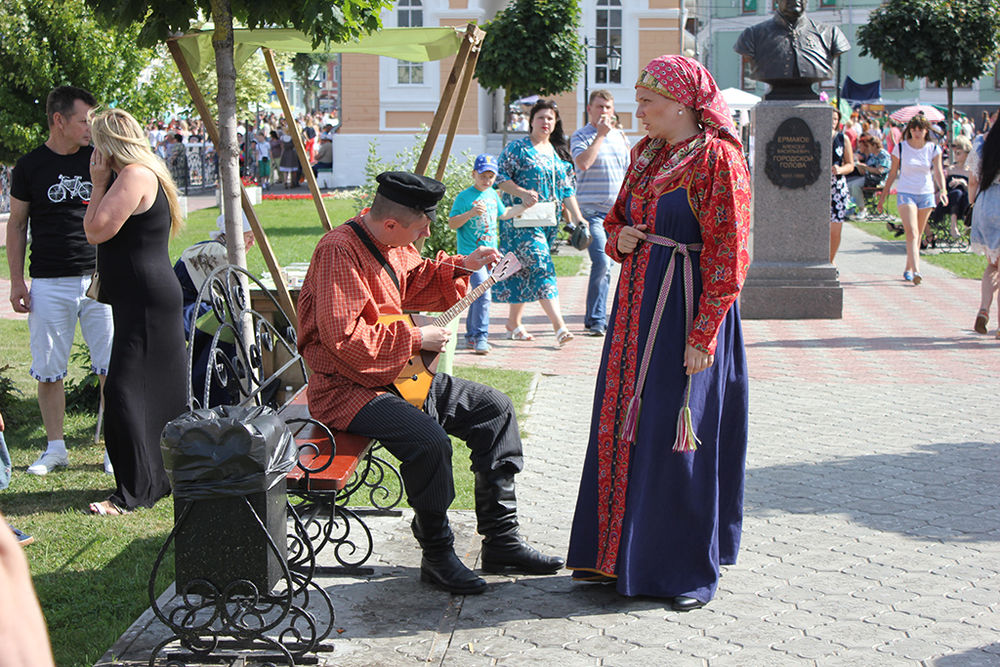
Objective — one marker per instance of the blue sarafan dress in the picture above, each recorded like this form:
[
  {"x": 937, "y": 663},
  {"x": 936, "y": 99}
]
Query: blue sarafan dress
[
  {"x": 662, "y": 521},
  {"x": 553, "y": 180}
]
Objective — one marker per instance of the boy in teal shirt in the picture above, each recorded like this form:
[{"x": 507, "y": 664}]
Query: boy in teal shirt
[{"x": 474, "y": 215}]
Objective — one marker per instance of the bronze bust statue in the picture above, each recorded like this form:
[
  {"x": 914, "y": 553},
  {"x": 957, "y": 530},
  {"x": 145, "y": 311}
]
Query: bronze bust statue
[{"x": 791, "y": 52}]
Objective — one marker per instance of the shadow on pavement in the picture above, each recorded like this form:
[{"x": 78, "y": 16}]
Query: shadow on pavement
[
  {"x": 890, "y": 343},
  {"x": 944, "y": 491}
]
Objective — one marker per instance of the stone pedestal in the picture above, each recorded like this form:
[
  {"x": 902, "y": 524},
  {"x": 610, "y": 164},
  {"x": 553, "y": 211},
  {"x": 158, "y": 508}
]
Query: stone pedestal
[{"x": 790, "y": 276}]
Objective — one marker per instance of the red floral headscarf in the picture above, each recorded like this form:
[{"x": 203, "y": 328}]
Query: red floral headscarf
[{"x": 687, "y": 82}]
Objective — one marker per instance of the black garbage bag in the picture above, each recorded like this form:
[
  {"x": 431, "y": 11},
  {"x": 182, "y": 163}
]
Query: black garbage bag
[{"x": 226, "y": 451}]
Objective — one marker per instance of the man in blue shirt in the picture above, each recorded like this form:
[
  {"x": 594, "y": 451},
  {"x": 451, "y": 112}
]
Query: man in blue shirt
[{"x": 601, "y": 156}]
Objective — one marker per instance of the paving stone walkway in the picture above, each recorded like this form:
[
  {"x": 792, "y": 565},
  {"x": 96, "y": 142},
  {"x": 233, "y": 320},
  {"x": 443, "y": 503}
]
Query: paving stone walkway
[{"x": 872, "y": 531}]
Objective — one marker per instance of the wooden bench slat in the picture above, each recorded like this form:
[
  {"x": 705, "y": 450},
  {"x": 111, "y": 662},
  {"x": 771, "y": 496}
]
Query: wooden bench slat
[{"x": 351, "y": 449}]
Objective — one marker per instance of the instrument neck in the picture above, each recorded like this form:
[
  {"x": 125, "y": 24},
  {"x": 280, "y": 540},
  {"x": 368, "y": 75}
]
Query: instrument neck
[{"x": 447, "y": 316}]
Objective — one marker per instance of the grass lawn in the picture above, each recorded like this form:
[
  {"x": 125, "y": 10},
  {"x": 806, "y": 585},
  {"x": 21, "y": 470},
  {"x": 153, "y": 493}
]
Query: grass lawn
[
  {"x": 91, "y": 572},
  {"x": 962, "y": 264},
  {"x": 293, "y": 228}
]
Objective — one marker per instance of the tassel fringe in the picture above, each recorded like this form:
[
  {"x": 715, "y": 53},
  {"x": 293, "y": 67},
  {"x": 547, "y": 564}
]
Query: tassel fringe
[
  {"x": 686, "y": 440},
  {"x": 631, "y": 419}
]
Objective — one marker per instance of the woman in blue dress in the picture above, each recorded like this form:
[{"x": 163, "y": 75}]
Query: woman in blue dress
[
  {"x": 533, "y": 169},
  {"x": 661, "y": 497}
]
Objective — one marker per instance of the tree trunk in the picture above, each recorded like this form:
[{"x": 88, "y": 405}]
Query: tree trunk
[
  {"x": 506, "y": 116},
  {"x": 950, "y": 126},
  {"x": 227, "y": 150}
]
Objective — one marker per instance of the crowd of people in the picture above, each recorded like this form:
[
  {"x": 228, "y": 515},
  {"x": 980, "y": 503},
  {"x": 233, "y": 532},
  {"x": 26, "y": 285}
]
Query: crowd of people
[
  {"x": 936, "y": 172},
  {"x": 267, "y": 153}
]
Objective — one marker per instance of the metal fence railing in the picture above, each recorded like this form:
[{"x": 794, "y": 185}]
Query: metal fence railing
[
  {"x": 194, "y": 166},
  {"x": 5, "y": 174}
]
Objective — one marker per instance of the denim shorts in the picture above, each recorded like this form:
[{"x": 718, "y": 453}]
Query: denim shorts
[{"x": 920, "y": 201}]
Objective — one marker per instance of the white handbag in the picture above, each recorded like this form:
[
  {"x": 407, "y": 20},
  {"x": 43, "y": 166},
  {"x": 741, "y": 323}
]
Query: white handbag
[{"x": 543, "y": 213}]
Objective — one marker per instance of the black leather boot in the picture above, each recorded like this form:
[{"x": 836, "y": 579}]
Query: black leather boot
[
  {"x": 439, "y": 565},
  {"x": 503, "y": 548}
]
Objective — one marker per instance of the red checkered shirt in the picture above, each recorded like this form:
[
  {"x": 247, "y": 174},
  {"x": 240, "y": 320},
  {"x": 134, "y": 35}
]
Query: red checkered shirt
[{"x": 352, "y": 356}]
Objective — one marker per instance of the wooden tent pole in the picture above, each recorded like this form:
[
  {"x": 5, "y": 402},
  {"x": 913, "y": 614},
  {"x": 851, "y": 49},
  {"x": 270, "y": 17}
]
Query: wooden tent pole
[
  {"x": 445, "y": 102},
  {"x": 476, "y": 40},
  {"x": 300, "y": 148},
  {"x": 284, "y": 298}
]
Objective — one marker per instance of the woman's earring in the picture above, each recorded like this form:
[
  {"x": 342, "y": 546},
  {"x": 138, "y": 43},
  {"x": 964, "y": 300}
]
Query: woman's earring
[{"x": 680, "y": 112}]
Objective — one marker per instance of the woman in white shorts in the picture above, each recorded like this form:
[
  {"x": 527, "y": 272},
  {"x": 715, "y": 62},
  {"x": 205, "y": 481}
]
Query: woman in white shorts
[{"x": 919, "y": 178}]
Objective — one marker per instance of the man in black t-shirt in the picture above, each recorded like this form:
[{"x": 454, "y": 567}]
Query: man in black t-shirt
[{"x": 49, "y": 192}]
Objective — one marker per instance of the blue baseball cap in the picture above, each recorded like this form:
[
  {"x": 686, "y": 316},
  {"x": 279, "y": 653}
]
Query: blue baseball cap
[{"x": 485, "y": 162}]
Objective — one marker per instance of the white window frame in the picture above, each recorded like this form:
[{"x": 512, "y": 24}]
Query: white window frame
[
  {"x": 411, "y": 9},
  {"x": 608, "y": 38}
]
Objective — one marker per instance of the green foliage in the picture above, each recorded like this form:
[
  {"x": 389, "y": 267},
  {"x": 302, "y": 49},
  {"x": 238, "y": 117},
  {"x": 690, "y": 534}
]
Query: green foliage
[
  {"x": 83, "y": 394},
  {"x": 253, "y": 85},
  {"x": 457, "y": 177},
  {"x": 44, "y": 44},
  {"x": 336, "y": 20},
  {"x": 8, "y": 389},
  {"x": 532, "y": 46},
  {"x": 307, "y": 68},
  {"x": 953, "y": 41}
]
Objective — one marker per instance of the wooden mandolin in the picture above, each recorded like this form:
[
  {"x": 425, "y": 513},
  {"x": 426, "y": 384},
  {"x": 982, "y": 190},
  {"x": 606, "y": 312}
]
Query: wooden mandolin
[{"x": 414, "y": 381}]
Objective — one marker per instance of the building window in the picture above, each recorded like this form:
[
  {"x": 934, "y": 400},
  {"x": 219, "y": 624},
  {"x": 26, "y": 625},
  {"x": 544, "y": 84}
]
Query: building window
[
  {"x": 749, "y": 6},
  {"x": 408, "y": 73},
  {"x": 891, "y": 81},
  {"x": 747, "y": 82},
  {"x": 996, "y": 76},
  {"x": 941, "y": 85},
  {"x": 608, "y": 35},
  {"x": 411, "y": 15},
  {"x": 827, "y": 4}
]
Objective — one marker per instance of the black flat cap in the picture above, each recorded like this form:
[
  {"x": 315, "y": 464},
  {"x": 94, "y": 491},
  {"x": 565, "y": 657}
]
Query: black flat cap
[{"x": 410, "y": 190}]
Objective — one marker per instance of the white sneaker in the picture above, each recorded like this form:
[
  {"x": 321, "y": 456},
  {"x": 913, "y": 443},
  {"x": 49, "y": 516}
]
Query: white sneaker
[
  {"x": 108, "y": 468},
  {"x": 48, "y": 462}
]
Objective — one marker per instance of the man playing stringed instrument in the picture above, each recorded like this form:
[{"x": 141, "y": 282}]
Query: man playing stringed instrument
[{"x": 369, "y": 268}]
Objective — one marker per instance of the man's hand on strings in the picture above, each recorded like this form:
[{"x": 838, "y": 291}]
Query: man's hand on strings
[
  {"x": 482, "y": 256},
  {"x": 434, "y": 339}
]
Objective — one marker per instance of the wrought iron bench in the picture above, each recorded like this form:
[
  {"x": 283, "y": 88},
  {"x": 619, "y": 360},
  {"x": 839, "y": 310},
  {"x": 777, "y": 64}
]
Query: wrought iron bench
[{"x": 266, "y": 368}]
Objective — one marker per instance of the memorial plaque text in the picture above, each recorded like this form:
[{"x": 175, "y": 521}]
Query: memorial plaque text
[{"x": 792, "y": 159}]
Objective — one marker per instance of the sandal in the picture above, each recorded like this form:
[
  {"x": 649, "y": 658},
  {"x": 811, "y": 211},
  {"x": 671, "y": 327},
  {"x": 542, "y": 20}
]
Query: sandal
[
  {"x": 107, "y": 508},
  {"x": 982, "y": 319},
  {"x": 520, "y": 333},
  {"x": 563, "y": 336}
]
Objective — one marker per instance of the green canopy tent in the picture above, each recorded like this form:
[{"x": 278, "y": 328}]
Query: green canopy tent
[{"x": 193, "y": 52}]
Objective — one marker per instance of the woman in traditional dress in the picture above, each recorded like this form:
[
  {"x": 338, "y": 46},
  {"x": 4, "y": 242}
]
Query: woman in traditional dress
[
  {"x": 131, "y": 221},
  {"x": 536, "y": 168},
  {"x": 661, "y": 499},
  {"x": 984, "y": 166}
]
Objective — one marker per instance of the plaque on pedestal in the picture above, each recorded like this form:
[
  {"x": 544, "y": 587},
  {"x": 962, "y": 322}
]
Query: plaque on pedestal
[{"x": 790, "y": 275}]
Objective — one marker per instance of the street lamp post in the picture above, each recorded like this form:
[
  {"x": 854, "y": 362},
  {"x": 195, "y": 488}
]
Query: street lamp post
[{"x": 614, "y": 65}]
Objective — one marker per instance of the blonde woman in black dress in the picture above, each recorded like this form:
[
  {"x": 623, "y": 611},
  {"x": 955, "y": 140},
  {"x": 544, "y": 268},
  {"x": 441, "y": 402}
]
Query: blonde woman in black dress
[{"x": 131, "y": 221}]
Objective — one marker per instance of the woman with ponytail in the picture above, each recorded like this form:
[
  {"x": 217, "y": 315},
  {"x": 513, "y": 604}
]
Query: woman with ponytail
[{"x": 131, "y": 219}]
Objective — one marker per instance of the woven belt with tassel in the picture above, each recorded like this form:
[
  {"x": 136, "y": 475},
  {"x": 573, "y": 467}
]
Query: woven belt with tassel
[{"x": 686, "y": 440}]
